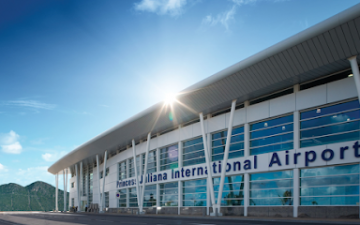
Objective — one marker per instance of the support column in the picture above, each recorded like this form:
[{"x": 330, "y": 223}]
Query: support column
[
  {"x": 180, "y": 165},
  {"x": 81, "y": 184},
  {"x": 56, "y": 191},
  {"x": 179, "y": 197},
  {"x": 103, "y": 184},
  {"x": 145, "y": 171},
  {"x": 226, "y": 156},
  {"x": 77, "y": 185},
  {"x": 98, "y": 176},
  {"x": 207, "y": 160},
  {"x": 64, "y": 190},
  {"x": 296, "y": 196},
  {"x": 246, "y": 193},
  {"x": 246, "y": 132},
  {"x": 136, "y": 177},
  {"x": 355, "y": 71}
]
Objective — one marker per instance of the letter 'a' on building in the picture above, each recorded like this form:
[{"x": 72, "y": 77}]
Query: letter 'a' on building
[{"x": 276, "y": 134}]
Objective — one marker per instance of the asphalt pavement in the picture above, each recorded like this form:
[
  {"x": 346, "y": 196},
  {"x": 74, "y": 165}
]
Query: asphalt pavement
[{"x": 49, "y": 218}]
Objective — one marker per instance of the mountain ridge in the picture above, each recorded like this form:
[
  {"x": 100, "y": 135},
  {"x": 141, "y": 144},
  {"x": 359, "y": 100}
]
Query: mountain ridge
[{"x": 37, "y": 196}]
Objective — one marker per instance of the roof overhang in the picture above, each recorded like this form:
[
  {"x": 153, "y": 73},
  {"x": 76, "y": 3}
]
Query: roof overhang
[{"x": 315, "y": 52}]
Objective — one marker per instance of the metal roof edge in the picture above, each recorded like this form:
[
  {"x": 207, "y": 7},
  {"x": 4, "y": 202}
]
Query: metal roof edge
[{"x": 319, "y": 28}]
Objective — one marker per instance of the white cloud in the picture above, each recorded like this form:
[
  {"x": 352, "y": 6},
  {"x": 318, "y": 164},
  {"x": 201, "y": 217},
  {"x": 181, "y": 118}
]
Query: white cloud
[
  {"x": 9, "y": 143},
  {"x": 51, "y": 157},
  {"x": 223, "y": 18},
  {"x": 162, "y": 7},
  {"x": 30, "y": 104},
  {"x": 3, "y": 168}
]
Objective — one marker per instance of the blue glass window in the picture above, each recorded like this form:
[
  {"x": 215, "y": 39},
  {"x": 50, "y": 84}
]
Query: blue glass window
[
  {"x": 232, "y": 192},
  {"x": 131, "y": 167},
  {"x": 106, "y": 195},
  {"x": 169, "y": 194},
  {"x": 274, "y": 188},
  {"x": 122, "y": 170},
  {"x": 330, "y": 124},
  {"x": 133, "y": 198},
  {"x": 169, "y": 157},
  {"x": 272, "y": 135},
  {"x": 193, "y": 152},
  {"x": 334, "y": 185},
  {"x": 236, "y": 144},
  {"x": 151, "y": 167},
  {"x": 149, "y": 196},
  {"x": 122, "y": 198},
  {"x": 194, "y": 193}
]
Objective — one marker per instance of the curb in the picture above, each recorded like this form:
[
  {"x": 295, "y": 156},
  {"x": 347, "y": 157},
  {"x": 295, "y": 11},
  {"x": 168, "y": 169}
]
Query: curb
[{"x": 262, "y": 219}]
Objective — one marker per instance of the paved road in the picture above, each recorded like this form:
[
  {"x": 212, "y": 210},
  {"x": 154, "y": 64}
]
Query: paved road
[{"x": 91, "y": 219}]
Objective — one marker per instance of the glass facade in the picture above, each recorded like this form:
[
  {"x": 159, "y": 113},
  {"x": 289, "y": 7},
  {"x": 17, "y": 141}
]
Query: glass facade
[
  {"x": 122, "y": 170},
  {"x": 169, "y": 157},
  {"x": 150, "y": 196},
  {"x": 151, "y": 167},
  {"x": 274, "y": 188},
  {"x": 232, "y": 194},
  {"x": 106, "y": 199},
  {"x": 334, "y": 185},
  {"x": 272, "y": 135},
  {"x": 89, "y": 180},
  {"x": 138, "y": 162},
  {"x": 330, "y": 124},
  {"x": 193, "y": 152},
  {"x": 194, "y": 192},
  {"x": 169, "y": 194},
  {"x": 122, "y": 197},
  {"x": 236, "y": 144},
  {"x": 323, "y": 186},
  {"x": 131, "y": 168},
  {"x": 133, "y": 197}
]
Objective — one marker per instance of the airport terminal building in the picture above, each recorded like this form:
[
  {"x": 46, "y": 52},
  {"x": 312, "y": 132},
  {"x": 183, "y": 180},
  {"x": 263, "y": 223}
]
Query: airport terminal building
[{"x": 277, "y": 134}]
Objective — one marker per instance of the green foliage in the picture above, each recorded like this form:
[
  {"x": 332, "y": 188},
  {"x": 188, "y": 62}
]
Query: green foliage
[{"x": 38, "y": 196}]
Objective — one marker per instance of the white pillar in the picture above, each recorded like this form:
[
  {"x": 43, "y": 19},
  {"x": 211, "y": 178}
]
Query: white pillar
[
  {"x": 145, "y": 171},
  {"x": 66, "y": 188},
  {"x": 81, "y": 184},
  {"x": 226, "y": 155},
  {"x": 355, "y": 71},
  {"x": 179, "y": 196},
  {"x": 103, "y": 184},
  {"x": 56, "y": 191},
  {"x": 207, "y": 160},
  {"x": 98, "y": 176},
  {"x": 296, "y": 196},
  {"x": 246, "y": 132},
  {"x": 157, "y": 197},
  {"x": 246, "y": 193},
  {"x": 138, "y": 193},
  {"x": 296, "y": 122},
  {"x": 77, "y": 186}
]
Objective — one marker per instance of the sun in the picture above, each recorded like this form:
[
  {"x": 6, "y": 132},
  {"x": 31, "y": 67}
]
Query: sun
[{"x": 170, "y": 98}]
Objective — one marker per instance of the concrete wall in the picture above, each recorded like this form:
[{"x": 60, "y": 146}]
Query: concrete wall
[
  {"x": 198, "y": 211},
  {"x": 271, "y": 211}
]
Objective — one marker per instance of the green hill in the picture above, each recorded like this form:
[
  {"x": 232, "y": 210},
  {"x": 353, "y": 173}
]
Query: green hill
[{"x": 38, "y": 196}]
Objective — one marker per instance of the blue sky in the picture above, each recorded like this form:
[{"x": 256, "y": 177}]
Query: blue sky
[{"x": 72, "y": 69}]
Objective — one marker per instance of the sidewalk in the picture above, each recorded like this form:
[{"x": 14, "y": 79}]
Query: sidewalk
[{"x": 238, "y": 218}]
